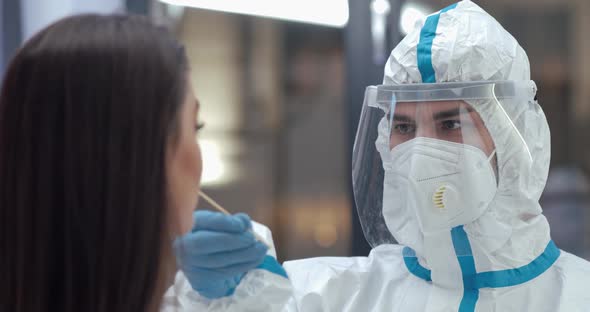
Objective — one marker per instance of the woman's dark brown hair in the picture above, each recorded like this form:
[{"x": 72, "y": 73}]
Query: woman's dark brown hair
[{"x": 87, "y": 109}]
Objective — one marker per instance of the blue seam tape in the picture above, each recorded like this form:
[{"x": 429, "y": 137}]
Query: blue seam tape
[
  {"x": 424, "y": 48},
  {"x": 272, "y": 265},
  {"x": 470, "y": 297},
  {"x": 492, "y": 279},
  {"x": 467, "y": 264},
  {"x": 522, "y": 274},
  {"x": 414, "y": 266}
]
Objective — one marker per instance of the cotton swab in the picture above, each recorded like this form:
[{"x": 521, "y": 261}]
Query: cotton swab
[{"x": 224, "y": 211}]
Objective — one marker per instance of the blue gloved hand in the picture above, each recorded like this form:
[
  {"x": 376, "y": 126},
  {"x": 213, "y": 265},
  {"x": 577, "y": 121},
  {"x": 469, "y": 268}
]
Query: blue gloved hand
[{"x": 218, "y": 252}]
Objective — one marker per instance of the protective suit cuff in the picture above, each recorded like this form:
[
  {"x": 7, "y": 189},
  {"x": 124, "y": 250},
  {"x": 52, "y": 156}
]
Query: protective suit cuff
[
  {"x": 272, "y": 265},
  {"x": 259, "y": 290}
]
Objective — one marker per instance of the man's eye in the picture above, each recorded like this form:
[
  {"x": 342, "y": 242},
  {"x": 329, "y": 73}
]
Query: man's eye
[
  {"x": 451, "y": 124},
  {"x": 404, "y": 128}
]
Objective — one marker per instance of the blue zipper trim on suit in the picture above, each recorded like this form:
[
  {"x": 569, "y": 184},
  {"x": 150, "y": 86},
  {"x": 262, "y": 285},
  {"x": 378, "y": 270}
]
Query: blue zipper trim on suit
[
  {"x": 491, "y": 279},
  {"x": 467, "y": 264}
]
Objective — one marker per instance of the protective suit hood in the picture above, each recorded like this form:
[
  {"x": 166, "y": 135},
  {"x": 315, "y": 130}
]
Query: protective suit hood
[{"x": 463, "y": 43}]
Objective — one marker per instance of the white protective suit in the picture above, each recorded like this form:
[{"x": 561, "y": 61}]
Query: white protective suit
[{"x": 514, "y": 264}]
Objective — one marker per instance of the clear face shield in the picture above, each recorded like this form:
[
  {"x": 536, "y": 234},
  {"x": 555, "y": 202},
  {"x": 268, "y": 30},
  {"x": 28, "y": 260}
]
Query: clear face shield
[{"x": 424, "y": 160}]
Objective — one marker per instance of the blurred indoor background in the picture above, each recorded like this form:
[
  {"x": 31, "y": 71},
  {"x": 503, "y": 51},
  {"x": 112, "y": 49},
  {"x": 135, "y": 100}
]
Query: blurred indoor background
[{"x": 281, "y": 85}]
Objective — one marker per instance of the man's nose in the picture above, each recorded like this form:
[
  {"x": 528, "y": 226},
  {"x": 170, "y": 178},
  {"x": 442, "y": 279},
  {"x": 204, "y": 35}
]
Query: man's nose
[{"x": 426, "y": 131}]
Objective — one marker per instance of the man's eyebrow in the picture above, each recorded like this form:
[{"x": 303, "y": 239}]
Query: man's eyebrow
[
  {"x": 402, "y": 117},
  {"x": 452, "y": 113}
]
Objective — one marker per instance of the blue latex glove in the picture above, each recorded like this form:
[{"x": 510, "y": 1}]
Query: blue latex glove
[{"x": 218, "y": 252}]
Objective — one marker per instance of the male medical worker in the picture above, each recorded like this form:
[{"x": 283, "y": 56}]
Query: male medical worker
[{"x": 451, "y": 156}]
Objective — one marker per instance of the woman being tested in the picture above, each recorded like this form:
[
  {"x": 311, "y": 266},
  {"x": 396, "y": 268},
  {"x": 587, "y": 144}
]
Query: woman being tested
[{"x": 99, "y": 168}]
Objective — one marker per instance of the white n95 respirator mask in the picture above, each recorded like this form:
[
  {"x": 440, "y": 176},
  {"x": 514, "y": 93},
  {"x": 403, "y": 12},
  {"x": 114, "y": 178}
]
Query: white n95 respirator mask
[{"x": 445, "y": 184}]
